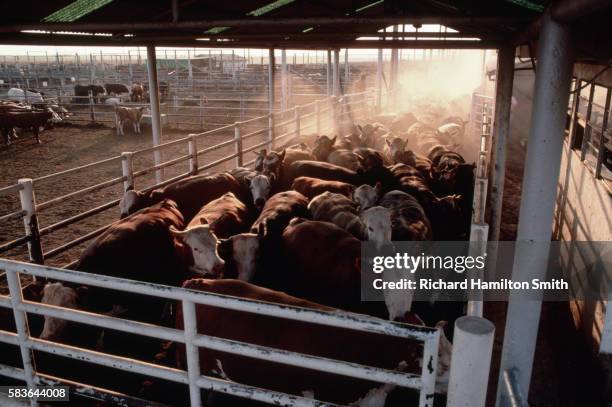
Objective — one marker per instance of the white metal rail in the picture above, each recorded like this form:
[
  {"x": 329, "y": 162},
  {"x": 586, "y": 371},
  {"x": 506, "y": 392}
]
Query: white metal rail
[{"x": 192, "y": 377}]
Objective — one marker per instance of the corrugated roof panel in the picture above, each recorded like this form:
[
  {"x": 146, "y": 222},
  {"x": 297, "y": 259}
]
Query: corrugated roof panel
[{"x": 75, "y": 11}]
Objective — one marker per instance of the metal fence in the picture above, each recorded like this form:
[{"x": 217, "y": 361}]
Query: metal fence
[{"x": 425, "y": 383}]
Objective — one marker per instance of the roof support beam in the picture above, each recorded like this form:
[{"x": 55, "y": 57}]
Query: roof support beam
[{"x": 261, "y": 22}]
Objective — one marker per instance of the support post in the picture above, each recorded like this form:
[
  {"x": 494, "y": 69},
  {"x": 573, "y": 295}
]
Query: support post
[
  {"x": 328, "y": 74},
  {"x": 127, "y": 169},
  {"x": 347, "y": 72},
  {"x": 471, "y": 361},
  {"x": 238, "y": 144},
  {"x": 379, "y": 80},
  {"x": 23, "y": 331},
  {"x": 193, "y": 154},
  {"x": 501, "y": 133},
  {"x": 155, "y": 112},
  {"x": 336, "y": 73},
  {"x": 551, "y": 94},
  {"x": 284, "y": 84},
  {"x": 271, "y": 95},
  {"x": 30, "y": 220},
  {"x": 201, "y": 111}
]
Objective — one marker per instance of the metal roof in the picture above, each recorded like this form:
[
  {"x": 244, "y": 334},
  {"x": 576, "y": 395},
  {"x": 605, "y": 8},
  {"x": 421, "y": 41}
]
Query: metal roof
[{"x": 307, "y": 24}]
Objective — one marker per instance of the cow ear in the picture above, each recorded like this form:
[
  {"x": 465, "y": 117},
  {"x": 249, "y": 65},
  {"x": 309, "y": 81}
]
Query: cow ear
[
  {"x": 272, "y": 177},
  {"x": 360, "y": 128},
  {"x": 388, "y": 142},
  {"x": 333, "y": 141},
  {"x": 282, "y": 155},
  {"x": 378, "y": 187},
  {"x": 177, "y": 233}
]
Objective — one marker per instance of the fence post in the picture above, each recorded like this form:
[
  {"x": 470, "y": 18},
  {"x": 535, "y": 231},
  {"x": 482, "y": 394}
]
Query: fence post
[
  {"x": 296, "y": 117},
  {"x": 127, "y": 170},
  {"x": 238, "y": 140},
  {"x": 193, "y": 154},
  {"x": 429, "y": 370},
  {"x": 318, "y": 116},
  {"x": 92, "y": 111},
  {"x": 192, "y": 352},
  {"x": 201, "y": 111},
  {"x": 175, "y": 109},
  {"x": 23, "y": 333},
  {"x": 471, "y": 360},
  {"x": 30, "y": 220},
  {"x": 271, "y": 130}
]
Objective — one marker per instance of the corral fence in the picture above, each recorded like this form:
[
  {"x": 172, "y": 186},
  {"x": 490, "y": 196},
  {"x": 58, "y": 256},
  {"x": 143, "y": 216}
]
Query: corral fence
[
  {"x": 242, "y": 139},
  {"x": 425, "y": 382}
]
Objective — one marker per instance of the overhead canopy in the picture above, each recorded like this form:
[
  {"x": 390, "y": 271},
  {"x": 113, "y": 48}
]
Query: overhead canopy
[{"x": 321, "y": 24}]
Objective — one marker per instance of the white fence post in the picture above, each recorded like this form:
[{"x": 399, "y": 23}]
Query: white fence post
[
  {"x": 127, "y": 170},
  {"x": 191, "y": 351},
  {"x": 429, "y": 370},
  {"x": 30, "y": 220},
  {"x": 193, "y": 154},
  {"x": 238, "y": 140},
  {"x": 296, "y": 118},
  {"x": 21, "y": 323},
  {"x": 471, "y": 360}
]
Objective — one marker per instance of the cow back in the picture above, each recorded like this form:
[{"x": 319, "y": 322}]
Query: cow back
[
  {"x": 339, "y": 210},
  {"x": 408, "y": 219},
  {"x": 311, "y": 187},
  {"x": 316, "y": 169},
  {"x": 191, "y": 194},
  {"x": 278, "y": 211},
  {"x": 226, "y": 215}
]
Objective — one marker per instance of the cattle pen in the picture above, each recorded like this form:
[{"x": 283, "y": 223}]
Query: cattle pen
[{"x": 224, "y": 119}]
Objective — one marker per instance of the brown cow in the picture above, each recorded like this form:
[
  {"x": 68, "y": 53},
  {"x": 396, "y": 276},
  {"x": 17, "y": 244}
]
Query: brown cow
[
  {"x": 274, "y": 162},
  {"x": 138, "y": 92},
  {"x": 226, "y": 216},
  {"x": 408, "y": 218},
  {"x": 24, "y": 119},
  {"x": 221, "y": 218},
  {"x": 318, "y": 169},
  {"x": 325, "y": 150},
  {"x": 368, "y": 349},
  {"x": 139, "y": 247},
  {"x": 278, "y": 211},
  {"x": 311, "y": 187},
  {"x": 128, "y": 114},
  {"x": 190, "y": 194}
]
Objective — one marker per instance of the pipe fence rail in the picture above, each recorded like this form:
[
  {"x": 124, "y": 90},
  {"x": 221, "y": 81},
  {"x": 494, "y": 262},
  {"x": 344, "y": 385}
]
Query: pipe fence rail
[{"x": 425, "y": 382}]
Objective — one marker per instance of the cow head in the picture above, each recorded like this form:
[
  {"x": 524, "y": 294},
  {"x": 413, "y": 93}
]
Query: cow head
[
  {"x": 396, "y": 145},
  {"x": 130, "y": 202},
  {"x": 260, "y": 156},
  {"x": 366, "y": 196},
  {"x": 377, "y": 221},
  {"x": 58, "y": 295},
  {"x": 272, "y": 163},
  {"x": 260, "y": 186},
  {"x": 201, "y": 244},
  {"x": 323, "y": 147},
  {"x": 243, "y": 250}
]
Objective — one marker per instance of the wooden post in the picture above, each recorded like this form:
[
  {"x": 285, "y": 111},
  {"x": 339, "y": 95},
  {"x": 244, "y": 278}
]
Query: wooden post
[{"x": 193, "y": 154}]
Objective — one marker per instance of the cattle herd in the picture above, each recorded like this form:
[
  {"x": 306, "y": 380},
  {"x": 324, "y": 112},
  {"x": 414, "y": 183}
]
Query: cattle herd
[
  {"x": 288, "y": 231},
  {"x": 29, "y": 109}
]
